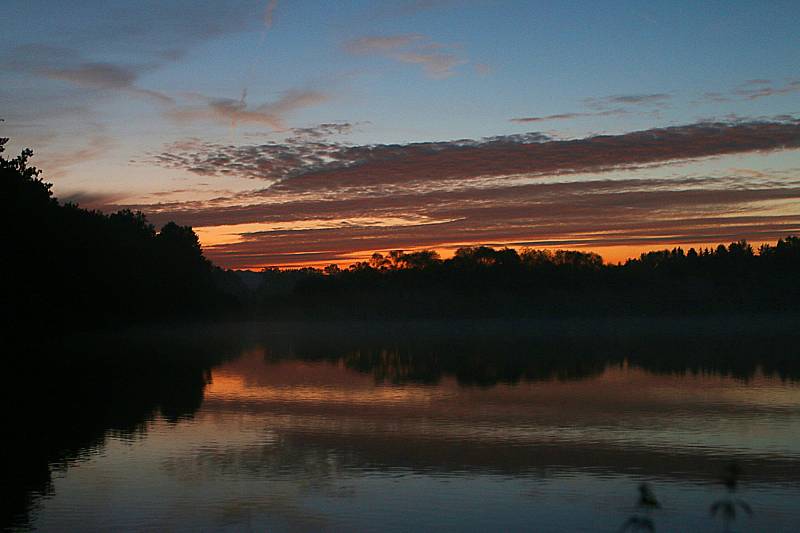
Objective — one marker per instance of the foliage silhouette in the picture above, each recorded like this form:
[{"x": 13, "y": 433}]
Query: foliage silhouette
[
  {"x": 80, "y": 268},
  {"x": 485, "y": 282}
]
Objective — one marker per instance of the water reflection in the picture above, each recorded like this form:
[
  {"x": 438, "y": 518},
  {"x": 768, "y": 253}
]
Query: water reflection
[
  {"x": 65, "y": 399},
  {"x": 624, "y": 420},
  {"x": 490, "y": 352},
  {"x": 406, "y": 426}
]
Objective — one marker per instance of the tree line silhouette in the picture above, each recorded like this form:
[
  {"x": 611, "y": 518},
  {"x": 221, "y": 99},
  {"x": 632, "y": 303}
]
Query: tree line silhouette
[
  {"x": 69, "y": 266},
  {"x": 481, "y": 281},
  {"x": 72, "y": 266}
]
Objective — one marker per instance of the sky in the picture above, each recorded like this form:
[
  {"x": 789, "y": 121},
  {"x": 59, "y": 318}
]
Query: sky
[{"x": 294, "y": 133}]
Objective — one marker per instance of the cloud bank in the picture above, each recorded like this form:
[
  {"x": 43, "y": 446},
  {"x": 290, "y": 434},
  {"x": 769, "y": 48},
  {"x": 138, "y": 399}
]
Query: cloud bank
[
  {"x": 300, "y": 165},
  {"x": 516, "y": 190}
]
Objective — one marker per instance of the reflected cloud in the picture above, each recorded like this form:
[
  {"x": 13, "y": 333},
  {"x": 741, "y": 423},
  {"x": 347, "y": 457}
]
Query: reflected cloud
[
  {"x": 361, "y": 390},
  {"x": 283, "y": 414}
]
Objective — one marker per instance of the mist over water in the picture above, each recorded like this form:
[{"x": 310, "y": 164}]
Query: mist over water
[{"x": 526, "y": 425}]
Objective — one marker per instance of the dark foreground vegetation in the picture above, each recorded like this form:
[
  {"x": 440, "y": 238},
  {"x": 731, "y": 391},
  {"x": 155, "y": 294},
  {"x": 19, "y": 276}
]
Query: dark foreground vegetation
[
  {"x": 78, "y": 268},
  {"x": 72, "y": 267}
]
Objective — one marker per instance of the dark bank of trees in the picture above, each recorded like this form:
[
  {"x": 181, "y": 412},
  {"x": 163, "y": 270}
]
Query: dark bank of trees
[
  {"x": 64, "y": 266},
  {"x": 482, "y": 281},
  {"x": 67, "y": 266}
]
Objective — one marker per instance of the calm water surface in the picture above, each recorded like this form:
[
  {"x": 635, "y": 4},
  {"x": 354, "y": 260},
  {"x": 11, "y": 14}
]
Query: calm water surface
[{"x": 357, "y": 432}]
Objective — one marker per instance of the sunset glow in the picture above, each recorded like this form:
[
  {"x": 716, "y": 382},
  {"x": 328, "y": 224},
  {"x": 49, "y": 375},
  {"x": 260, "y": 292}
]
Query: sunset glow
[
  {"x": 294, "y": 134},
  {"x": 400, "y": 265}
]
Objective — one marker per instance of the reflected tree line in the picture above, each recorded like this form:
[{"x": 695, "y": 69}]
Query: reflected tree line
[
  {"x": 68, "y": 395},
  {"x": 510, "y": 352}
]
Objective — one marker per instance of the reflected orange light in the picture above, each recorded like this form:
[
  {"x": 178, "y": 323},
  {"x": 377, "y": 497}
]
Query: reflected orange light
[{"x": 252, "y": 379}]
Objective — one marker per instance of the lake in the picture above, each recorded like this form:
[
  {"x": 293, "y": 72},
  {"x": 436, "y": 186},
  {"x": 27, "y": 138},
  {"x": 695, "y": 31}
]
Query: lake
[{"x": 465, "y": 426}]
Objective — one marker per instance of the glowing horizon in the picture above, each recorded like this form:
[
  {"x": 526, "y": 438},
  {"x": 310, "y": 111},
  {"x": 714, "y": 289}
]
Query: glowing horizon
[{"x": 291, "y": 135}]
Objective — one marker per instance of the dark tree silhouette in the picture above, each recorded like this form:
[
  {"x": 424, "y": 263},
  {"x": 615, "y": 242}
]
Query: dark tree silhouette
[
  {"x": 77, "y": 266},
  {"x": 481, "y": 281},
  {"x": 73, "y": 267}
]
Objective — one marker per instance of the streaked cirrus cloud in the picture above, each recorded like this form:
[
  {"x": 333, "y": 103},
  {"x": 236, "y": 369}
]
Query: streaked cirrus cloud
[
  {"x": 758, "y": 88},
  {"x": 569, "y": 116},
  {"x": 436, "y": 59},
  {"x": 234, "y": 112},
  {"x": 106, "y": 76},
  {"x": 651, "y": 99},
  {"x": 70, "y": 66}
]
